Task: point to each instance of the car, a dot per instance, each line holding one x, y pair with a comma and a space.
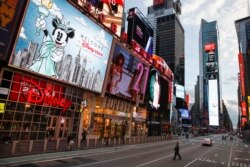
207, 142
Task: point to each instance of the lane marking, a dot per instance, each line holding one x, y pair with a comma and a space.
198, 158
162, 158
229, 162
124, 157
242, 159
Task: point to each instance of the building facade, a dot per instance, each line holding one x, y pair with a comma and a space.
243, 34
209, 69
169, 37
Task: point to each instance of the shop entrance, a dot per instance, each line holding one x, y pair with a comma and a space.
57, 127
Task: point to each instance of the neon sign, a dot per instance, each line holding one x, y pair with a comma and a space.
35, 94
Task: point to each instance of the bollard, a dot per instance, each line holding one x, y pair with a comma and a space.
45, 145
30, 146
13, 148
57, 144
95, 142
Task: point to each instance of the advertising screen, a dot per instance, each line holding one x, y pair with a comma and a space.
127, 75
112, 11
213, 99
140, 31
180, 91
58, 41
10, 15
184, 113
212, 67
158, 89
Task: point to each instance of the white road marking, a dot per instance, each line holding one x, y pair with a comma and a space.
246, 145
161, 158
197, 158
215, 155
230, 157
242, 159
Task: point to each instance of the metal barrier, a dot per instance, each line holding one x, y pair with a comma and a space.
16, 148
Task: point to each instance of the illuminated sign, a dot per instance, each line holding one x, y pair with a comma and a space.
213, 105
110, 13
242, 73
209, 47
180, 91
140, 31
158, 2
59, 42
10, 14
36, 91
127, 76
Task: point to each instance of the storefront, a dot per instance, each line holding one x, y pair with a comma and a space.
106, 117
139, 122
36, 108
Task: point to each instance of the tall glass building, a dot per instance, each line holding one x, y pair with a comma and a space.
208, 34
169, 36
243, 34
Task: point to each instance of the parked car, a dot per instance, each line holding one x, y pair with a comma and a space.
207, 142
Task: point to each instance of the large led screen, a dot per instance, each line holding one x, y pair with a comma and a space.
213, 99
58, 41
127, 75
139, 30
180, 91
158, 91
112, 11
185, 114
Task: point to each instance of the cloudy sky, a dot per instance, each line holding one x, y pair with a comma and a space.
225, 12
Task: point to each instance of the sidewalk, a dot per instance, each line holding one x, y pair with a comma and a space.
77, 153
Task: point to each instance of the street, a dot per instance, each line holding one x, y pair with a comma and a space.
222, 153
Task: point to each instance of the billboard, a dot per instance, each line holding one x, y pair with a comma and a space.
180, 91
111, 11
211, 57
212, 67
127, 75
213, 107
59, 42
242, 74
11, 12
185, 114
139, 30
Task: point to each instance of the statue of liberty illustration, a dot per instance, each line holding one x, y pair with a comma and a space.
52, 49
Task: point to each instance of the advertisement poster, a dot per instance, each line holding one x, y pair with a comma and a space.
127, 76
58, 41
213, 99
112, 11
10, 15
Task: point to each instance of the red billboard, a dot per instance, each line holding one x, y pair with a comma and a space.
209, 47
242, 75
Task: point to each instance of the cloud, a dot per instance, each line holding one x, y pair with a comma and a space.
230, 80
55, 11
190, 7
22, 34
81, 21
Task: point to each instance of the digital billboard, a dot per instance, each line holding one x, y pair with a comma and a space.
127, 75
10, 17
180, 91
185, 114
139, 30
213, 99
58, 41
158, 89
212, 67
111, 11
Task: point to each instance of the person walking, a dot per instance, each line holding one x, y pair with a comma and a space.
84, 137
70, 141
176, 151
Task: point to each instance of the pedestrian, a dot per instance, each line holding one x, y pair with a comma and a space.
70, 141
176, 151
84, 136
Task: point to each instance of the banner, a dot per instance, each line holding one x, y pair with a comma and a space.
58, 41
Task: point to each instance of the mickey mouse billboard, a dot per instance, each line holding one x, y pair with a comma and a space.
58, 41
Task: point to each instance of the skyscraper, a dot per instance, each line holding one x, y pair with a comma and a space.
243, 34
209, 60
169, 36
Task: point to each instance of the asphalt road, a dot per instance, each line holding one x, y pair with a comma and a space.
223, 153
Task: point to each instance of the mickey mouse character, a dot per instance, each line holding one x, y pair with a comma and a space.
52, 49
